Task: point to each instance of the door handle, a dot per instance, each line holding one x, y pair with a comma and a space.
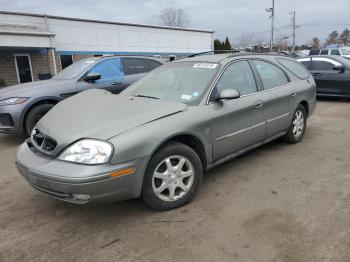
117, 83
258, 104
316, 74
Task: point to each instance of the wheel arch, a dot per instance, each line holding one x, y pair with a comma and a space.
305, 104
192, 141
41, 101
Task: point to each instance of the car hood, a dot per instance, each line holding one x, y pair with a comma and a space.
31, 89
101, 115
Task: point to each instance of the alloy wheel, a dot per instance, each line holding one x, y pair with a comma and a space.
298, 123
173, 178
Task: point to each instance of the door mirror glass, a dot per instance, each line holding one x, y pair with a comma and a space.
228, 94
92, 76
339, 68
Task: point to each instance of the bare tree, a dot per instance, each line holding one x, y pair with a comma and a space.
315, 44
174, 17
245, 40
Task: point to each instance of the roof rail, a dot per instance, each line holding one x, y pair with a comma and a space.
213, 52
262, 54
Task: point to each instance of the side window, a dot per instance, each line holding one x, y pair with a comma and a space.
323, 64
109, 69
294, 67
152, 64
270, 75
324, 52
314, 52
335, 52
237, 76
134, 66
306, 62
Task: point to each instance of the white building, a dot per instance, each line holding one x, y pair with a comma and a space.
35, 46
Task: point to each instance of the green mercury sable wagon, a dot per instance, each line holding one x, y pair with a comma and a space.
157, 138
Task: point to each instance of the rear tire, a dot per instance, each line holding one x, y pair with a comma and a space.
34, 115
297, 128
172, 177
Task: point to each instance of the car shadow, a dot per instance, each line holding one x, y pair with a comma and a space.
333, 99
11, 140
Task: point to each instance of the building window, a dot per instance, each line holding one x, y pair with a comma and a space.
66, 60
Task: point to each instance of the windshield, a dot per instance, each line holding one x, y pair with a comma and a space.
345, 51
75, 69
184, 82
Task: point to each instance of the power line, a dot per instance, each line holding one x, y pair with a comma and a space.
325, 25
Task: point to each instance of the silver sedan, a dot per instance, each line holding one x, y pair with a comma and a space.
157, 137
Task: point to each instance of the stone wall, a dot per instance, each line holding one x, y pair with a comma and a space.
40, 65
8, 74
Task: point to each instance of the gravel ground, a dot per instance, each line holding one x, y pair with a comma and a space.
280, 202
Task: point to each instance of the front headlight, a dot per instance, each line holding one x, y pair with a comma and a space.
88, 151
13, 101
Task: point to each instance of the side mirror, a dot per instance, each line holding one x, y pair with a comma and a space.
340, 68
228, 94
91, 76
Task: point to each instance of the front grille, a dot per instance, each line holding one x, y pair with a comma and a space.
6, 120
43, 142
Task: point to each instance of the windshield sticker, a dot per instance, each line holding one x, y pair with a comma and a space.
195, 93
186, 97
89, 62
205, 65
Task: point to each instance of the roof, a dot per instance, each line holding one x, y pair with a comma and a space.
216, 58
12, 29
106, 22
334, 57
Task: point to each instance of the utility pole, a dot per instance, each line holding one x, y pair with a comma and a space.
294, 26
272, 10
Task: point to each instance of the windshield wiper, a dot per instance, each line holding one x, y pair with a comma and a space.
153, 97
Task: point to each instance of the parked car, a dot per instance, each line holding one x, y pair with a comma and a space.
331, 73
21, 106
341, 51
157, 137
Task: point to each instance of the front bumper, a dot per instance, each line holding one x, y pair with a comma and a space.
79, 183
10, 118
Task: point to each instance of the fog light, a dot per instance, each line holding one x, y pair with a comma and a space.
81, 197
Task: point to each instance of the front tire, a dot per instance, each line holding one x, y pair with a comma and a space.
34, 115
297, 128
172, 177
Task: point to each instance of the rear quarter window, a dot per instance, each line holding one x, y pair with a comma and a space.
294, 67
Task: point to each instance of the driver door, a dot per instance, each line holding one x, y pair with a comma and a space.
237, 123
112, 76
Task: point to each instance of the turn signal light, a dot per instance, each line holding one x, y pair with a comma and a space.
125, 171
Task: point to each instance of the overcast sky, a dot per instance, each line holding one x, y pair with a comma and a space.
226, 17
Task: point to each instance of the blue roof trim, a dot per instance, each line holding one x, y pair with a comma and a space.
121, 53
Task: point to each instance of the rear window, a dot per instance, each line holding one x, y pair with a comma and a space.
294, 67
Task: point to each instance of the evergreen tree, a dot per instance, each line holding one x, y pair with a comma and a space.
345, 37
332, 38
227, 44
217, 45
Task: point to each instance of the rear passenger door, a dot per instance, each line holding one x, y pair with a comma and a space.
276, 96
136, 68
